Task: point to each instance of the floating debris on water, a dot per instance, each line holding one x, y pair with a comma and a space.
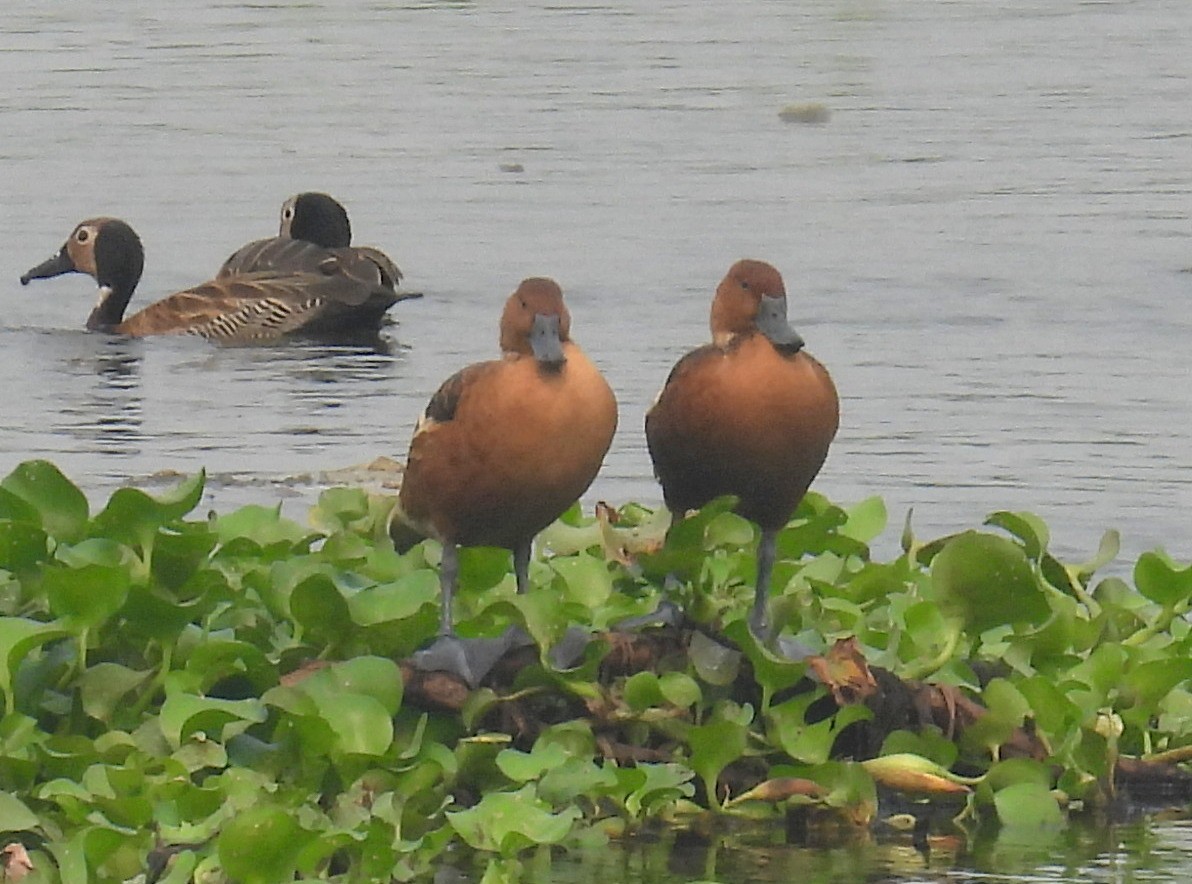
810, 112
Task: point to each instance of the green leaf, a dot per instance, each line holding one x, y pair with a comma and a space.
509, 822
18, 637
1027, 527
1028, 806
22, 546
524, 766
86, 596
61, 507
15, 816
320, 608
104, 685
1161, 580
679, 689
184, 714
587, 579
134, 517
1150, 682
866, 520
987, 581
714, 746
261, 845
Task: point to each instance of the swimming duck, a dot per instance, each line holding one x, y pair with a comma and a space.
504, 447
237, 308
751, 414
313, 224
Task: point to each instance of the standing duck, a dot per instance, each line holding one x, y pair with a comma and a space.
751, 414
505, 447
236, 308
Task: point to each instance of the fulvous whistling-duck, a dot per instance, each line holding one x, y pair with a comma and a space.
506, 446
751, 414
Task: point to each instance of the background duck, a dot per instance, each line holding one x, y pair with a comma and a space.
236, 308
505, 447
751, 414
312, 225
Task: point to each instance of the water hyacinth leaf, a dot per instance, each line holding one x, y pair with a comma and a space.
183, 714
86, 596
60, 506
394, 602
22, 546
642, 691
729, 530
714, 746
263, 525
1028, 807
522, 767
773, 673
586, 579
1161, 580
679, 689
1027, 527
1150, 682
15, 816
361, 723
18, 637
574, 778
509, 822
376, 677
714, 663
103, 686
1107, 551
987, 581
810, 742
654, 786
134, 517
261, 845
317, 604
866, 520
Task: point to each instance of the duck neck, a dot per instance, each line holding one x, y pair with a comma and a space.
108, 311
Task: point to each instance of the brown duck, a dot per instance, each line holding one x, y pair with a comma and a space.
331, 296
505, 446
751, 414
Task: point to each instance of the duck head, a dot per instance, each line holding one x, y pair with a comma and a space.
316, 218
752, 297
536, 322
110, 252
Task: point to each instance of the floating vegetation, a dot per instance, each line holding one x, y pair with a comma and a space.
808, 112
230, 697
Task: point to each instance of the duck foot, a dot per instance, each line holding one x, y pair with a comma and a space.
469, 658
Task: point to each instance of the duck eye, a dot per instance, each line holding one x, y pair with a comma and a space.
82, 235
287, 213
745, 284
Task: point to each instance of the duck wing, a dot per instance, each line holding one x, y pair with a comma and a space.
261, 306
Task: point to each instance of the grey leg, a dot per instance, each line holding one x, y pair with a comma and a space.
448, 575
521, 566
766, 551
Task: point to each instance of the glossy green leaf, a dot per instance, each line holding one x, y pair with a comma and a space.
261, 845
15, 816
61, 507
86, 596
1028, 806
134, 517
104, 686
22, 545
987, 581
714, 746
587, 579
1161, 580
509, 822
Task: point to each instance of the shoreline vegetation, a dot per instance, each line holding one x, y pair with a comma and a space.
229, 696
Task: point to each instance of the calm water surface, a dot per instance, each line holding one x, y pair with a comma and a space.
988, 243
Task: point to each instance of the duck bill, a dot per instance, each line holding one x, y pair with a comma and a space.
771, 322
55, 266
546, 342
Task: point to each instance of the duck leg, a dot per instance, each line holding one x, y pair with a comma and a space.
448, 576
766, 551
521, 566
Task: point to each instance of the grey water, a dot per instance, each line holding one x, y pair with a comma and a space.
988, 240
